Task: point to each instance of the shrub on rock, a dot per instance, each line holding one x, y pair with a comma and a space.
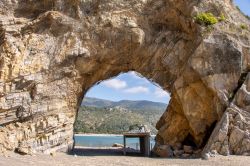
206, 19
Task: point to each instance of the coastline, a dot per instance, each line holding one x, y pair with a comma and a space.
93, 134
103, 135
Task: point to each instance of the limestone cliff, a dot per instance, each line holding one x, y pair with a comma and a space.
53, 51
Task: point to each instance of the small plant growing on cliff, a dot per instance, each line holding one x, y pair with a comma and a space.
222, 18
238, 8
206, 19
243, 26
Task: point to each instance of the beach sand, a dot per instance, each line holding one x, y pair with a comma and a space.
113, 157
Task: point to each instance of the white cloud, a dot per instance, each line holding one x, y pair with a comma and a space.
115, 84
137, 89
135, 75
159, 93
140, 78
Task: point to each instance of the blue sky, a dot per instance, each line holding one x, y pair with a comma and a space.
244, 5
128, 86
132, 87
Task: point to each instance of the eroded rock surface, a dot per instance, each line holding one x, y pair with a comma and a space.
53, 51
231, 135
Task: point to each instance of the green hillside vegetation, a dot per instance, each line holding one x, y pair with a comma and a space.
113, 118
129, 104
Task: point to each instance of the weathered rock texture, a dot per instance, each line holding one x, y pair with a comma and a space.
53, 51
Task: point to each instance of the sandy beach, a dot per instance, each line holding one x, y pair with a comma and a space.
113, 157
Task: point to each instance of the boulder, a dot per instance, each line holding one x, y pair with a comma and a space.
24, 151
117, 145
164, 151
188, 149
185, 155
177, 146
178, 153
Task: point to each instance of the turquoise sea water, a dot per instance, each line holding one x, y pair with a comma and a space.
107, 141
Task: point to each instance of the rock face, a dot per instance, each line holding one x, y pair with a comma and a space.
231, 135
53, 51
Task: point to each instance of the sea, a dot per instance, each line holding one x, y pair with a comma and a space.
107, 141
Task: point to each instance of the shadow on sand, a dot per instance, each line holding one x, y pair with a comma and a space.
85, 151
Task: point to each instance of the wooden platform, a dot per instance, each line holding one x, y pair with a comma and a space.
144, 139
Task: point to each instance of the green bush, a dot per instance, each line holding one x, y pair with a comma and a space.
222, 18
206, 19
243, 26
238, 8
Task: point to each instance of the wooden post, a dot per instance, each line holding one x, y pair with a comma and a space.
147, 145
124, 145
142, 145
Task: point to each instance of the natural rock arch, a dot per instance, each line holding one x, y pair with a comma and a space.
53, 51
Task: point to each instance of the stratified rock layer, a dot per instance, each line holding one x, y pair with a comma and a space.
53, 51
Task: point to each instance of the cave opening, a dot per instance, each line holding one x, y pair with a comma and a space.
189, 141
114, 106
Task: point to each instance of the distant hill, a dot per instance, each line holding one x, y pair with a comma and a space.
95, 102
128, 104
104, 116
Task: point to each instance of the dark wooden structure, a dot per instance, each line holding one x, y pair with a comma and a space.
144, 139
